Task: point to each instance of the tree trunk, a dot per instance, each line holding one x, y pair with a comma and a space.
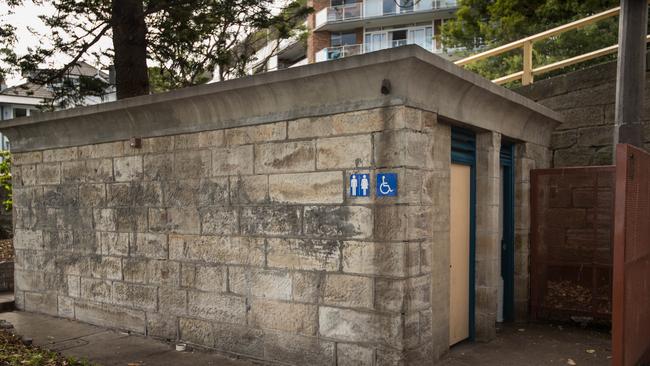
130, 45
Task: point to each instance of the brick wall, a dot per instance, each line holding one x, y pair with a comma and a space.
587, 100
244, 240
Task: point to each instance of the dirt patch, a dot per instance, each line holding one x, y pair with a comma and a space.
6, 250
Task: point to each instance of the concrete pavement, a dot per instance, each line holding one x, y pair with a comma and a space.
107, 347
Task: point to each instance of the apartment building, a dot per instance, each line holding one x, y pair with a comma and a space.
344, 28
341, 28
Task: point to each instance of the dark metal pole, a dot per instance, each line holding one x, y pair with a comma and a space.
630, 81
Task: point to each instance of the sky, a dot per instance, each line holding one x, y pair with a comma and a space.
26, 17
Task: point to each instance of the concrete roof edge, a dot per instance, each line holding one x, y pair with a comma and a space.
349, 84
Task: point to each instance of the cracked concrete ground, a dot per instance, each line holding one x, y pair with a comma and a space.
536, 344
528, 344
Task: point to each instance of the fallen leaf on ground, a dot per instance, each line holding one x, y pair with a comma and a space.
571, 362
591, 351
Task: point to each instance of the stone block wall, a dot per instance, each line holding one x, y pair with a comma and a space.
244, 240
586, 98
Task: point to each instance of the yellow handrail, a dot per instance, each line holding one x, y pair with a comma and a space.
527, 74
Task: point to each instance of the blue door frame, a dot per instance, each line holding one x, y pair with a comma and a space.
463, 151
508, 242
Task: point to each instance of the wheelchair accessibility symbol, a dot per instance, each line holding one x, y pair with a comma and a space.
386, 184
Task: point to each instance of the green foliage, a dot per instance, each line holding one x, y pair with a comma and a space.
5, 178
14, 353
186, 40
485, 24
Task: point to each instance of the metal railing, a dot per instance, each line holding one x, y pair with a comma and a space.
333, 53
526, 44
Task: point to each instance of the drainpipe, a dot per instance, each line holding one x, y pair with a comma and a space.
630, 80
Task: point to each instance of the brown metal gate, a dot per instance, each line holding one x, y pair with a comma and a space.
571, 243
631, 316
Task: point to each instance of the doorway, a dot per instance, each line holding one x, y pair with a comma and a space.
462, 236
507, 228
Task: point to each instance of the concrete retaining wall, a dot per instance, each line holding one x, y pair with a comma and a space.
586, 98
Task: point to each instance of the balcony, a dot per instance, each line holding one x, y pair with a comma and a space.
381, 12
333, 53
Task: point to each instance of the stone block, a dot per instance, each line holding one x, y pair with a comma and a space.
163, 272
239, 340
338, 221
135, 296
49, 173
213, 279
162, 325
254, 134
134, 194
403, 148
128, 168
340, 124
261, 283
92, 195
95, 171
115, 244
131, 219
596, 136
158, 167
106, 267
186, 141
150, 245
233, 161
212, 249
387, 259
195, 192
45, 303
306, 188
298, 350
183, 220
284, 316
304, 254
344, 152
96, 290
74, 286
192, 164
26, 175
172, 301
306, 286
152, 145
273, 220
219, 220
249, 189
564, 139
134, 270
211, 138
105, 150
105, 219
27, 158
110, 316
355, 326
348, 291
28, 239
65, 307
354, 355
196, 332
285, 157
219, 307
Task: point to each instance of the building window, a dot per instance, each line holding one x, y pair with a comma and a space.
20, 112
343, 39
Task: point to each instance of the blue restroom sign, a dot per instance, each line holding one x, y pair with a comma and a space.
360, 185
386, 184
